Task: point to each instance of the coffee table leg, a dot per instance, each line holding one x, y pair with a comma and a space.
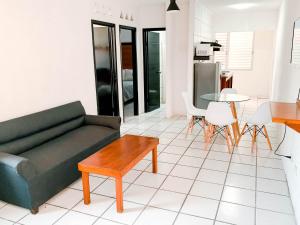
86, 188
119, 194
154, 160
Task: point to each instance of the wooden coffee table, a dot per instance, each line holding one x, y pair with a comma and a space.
115, 160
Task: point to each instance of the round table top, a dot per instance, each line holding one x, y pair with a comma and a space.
217, 97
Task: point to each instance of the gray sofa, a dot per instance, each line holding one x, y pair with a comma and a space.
39, 152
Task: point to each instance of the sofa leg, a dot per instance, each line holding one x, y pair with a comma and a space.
34, 211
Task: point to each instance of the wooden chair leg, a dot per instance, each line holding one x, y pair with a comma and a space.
209, 133
227, 140
203, 125
213, 130
242, 133
268, 138
192, 125
208, 136
230, 136
189, 127
253, 138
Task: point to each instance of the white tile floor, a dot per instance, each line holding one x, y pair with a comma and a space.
194, 186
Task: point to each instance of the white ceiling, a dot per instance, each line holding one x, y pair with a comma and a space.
222, 6
219, 6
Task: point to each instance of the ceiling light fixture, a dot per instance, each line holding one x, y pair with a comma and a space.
173, 6
241, 6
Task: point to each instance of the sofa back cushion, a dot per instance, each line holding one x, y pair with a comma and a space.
21, 134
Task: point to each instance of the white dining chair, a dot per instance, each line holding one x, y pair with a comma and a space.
219, 117
231, 91
196, 115
256, 124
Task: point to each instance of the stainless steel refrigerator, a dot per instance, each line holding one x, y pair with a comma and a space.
206, 81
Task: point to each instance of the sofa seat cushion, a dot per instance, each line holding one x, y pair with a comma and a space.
76, 144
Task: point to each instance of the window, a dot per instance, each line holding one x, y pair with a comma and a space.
237, 52
296, 43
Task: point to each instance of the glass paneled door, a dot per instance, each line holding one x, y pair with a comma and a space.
104, 45
129, 71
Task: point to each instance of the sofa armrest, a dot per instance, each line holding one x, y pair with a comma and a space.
21, 166
106, 121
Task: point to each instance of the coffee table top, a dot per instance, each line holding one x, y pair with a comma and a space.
117, 158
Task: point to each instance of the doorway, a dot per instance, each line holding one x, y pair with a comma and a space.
129, 71
154, 42
106, 80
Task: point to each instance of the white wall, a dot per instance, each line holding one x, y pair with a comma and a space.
152, 15
258, 80
286, 82
245, 21
177, 52
46, 55
202, 24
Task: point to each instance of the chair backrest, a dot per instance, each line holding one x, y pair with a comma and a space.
219, 113
187, 102
229, 91
24, 133
262, 115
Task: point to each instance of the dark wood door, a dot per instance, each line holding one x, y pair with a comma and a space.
152, 71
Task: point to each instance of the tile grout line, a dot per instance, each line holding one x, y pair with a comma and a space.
266, 178
71, 209
144, 206
208, 151
255, 200
224, 185
174, 165
223, 188
159, 188
101, 217
81, 200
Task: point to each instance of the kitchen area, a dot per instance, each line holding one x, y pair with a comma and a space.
208, 74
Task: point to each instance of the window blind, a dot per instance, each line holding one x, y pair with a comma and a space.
237, 50
296, 47
240, 50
